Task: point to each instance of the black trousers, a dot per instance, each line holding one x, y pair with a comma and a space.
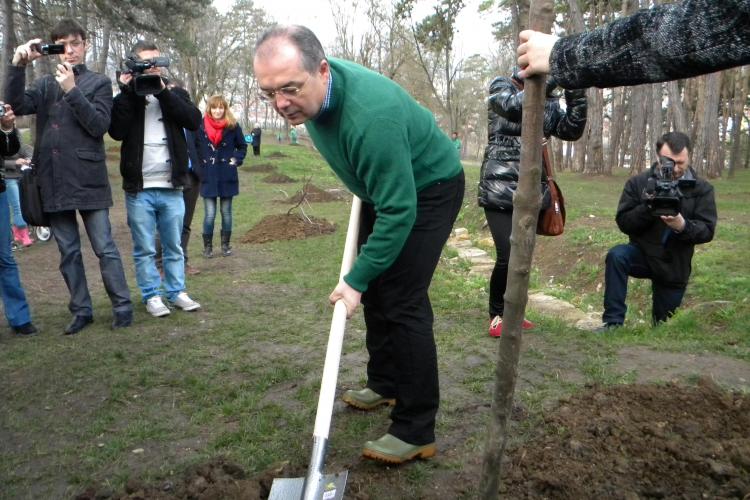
501, 225
399, 319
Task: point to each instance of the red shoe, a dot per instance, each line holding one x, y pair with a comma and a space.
496, 326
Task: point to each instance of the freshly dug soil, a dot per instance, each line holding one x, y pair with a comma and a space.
638, 441
278, 179
259, 169
287, 227
314, 194
278, 154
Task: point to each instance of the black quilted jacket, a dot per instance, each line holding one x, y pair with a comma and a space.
498, 178
666, 42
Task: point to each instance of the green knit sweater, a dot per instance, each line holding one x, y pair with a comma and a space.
385, 148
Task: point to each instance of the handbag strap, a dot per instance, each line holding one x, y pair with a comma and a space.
546, 161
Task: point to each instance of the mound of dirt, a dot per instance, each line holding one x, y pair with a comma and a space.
287, 227
638, 441
278, 154
278, 179
314, 194
259, 169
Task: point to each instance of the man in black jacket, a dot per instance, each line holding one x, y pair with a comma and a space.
72, 115
661, 246
154, 168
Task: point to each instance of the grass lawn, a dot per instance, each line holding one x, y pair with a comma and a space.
239, 378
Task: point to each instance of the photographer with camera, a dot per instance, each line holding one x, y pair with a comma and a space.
149, 116
73, 111
665, 211
15, 306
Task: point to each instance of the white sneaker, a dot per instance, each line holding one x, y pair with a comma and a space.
155, 306
185, 303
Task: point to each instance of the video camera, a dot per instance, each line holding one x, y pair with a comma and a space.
662, 192
145, 84
48, 49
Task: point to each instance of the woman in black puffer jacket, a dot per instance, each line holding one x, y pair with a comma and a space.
499, 174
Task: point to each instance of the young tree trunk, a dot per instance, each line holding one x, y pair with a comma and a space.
655, 123
526, 205
706, 118
10, 42
679, 115
595, 163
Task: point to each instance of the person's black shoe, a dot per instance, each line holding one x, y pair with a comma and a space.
24, 330
78, 324
608, 328
122, 319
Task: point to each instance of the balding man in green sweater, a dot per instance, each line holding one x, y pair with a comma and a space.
388, 150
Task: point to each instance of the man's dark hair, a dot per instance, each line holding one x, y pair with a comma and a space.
66, 27
677, 141
142, 45
301, 37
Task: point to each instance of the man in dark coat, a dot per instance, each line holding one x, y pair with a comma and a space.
154, 168
72, 115
661, 246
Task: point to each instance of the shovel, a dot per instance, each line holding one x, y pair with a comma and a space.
317, 485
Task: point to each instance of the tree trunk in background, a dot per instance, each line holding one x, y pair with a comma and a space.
706, 122
679, 116
714, 151
595, 160
101, 63
738, 106
616, 128
638, 138
655, 120
10, 42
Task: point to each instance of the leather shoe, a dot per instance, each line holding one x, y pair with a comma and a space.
366, 399
392, 450
78, 324
24, 330
122, 319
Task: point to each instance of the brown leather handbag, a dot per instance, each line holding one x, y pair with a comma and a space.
552, 219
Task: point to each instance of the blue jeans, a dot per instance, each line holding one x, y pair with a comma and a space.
96, 222
148, 211
209, 215
14, 299
628, 260
11, 187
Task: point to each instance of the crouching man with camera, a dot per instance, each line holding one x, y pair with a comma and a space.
73, 109
149, 116
665, 211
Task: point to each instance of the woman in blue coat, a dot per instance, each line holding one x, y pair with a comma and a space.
221, 148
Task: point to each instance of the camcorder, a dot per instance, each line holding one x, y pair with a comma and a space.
48, 49
662, 193
145, 84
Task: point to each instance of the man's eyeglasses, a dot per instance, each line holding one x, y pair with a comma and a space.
289, 91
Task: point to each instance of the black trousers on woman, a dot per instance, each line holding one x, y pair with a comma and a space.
399, 319
501, 224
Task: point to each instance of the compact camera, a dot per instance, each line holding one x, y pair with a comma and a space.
663, 195
145, 84
48, 49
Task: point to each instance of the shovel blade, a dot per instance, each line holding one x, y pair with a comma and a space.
330, 487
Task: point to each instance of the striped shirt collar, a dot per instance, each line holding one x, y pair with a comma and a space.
328, 98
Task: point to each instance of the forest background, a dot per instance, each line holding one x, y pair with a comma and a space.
212, 52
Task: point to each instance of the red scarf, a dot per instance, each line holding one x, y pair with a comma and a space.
214, 129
